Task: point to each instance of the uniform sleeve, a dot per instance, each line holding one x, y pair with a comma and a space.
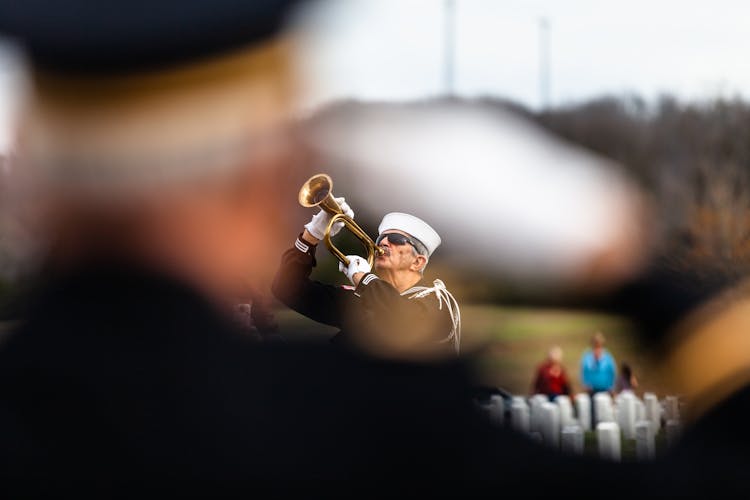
386, 312
294, 288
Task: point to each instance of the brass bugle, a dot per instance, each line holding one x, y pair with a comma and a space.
317, 191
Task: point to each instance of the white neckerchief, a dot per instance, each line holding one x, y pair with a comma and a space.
443, 295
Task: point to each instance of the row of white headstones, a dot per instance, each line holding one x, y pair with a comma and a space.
624, 417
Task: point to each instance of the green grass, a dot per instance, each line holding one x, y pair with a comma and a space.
509, 342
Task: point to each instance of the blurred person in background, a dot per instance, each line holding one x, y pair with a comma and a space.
551, 378
393, 309
598, 370
626, 379
598, 367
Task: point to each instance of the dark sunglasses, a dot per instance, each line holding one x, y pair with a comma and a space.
395, 239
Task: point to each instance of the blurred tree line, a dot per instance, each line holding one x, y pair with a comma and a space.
693, 158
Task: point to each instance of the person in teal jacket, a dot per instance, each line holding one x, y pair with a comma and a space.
598, 369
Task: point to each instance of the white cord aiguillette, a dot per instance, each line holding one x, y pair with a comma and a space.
443, 295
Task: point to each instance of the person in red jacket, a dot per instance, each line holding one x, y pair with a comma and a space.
551, 378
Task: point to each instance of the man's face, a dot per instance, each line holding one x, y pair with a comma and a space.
396, 257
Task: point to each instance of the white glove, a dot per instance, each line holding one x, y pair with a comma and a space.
356, 265
318, 224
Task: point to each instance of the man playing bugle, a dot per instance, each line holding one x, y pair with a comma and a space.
392, 311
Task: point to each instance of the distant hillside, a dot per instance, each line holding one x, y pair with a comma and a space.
693, 158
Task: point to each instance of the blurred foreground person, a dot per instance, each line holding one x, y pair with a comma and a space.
155, 136
393, 310
255, 316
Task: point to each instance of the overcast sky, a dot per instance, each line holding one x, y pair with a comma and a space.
395, 49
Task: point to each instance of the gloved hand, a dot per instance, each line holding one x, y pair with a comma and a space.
356, 265
319, 222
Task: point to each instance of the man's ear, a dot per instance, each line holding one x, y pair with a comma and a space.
419, 262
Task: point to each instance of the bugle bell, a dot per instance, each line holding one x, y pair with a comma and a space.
317, 191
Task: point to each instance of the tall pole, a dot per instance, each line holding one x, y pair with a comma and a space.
544, 63
449, 36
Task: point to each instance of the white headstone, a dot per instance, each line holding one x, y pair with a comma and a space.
603, 410
608, 439
645, 447
519, 415
550, 424
626, 414
673, 432
640, 410
614, 411
653, 410
671, 408
571, 439
497, 409
535, 404
583, 410
566, 410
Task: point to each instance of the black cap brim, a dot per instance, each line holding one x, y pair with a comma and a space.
84, 36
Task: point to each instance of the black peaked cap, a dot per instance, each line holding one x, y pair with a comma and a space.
118, 36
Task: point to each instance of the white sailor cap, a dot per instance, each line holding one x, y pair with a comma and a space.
414, 226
